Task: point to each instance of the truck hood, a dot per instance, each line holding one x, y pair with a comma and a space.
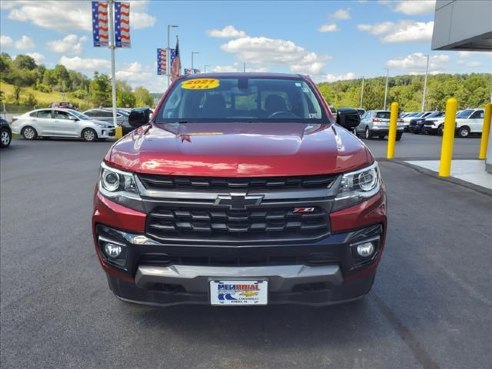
239, 150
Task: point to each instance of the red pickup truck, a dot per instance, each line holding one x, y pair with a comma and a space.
241, 189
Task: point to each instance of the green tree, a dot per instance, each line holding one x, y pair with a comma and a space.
17, 93
25, 62
100, 90
143, 96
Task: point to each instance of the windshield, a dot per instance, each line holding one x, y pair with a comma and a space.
233, 99
383, 114
436, 114
464, 114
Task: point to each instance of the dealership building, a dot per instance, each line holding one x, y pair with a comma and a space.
464, 25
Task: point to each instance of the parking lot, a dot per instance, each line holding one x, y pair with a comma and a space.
430, 306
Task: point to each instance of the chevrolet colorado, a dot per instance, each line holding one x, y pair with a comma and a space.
241, 189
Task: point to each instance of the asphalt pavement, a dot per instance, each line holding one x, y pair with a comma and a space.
430, 306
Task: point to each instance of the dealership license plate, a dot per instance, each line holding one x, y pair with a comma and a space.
238, 292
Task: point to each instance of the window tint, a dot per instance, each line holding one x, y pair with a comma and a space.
464, 114
383, 114
91, 113
477, 114
44, 114
236, 99
61, 115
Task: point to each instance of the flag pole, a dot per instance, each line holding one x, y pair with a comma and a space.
112, 46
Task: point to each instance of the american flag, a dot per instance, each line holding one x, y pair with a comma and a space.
161, 61
122, 24
175, 62
100, 31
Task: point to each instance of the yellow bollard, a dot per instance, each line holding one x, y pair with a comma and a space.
448, 138
485, 132
392, 131
118, 133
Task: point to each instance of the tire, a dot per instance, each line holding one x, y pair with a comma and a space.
367, 134
5, 137
398, 136
29, 133
440, 130
89, 135
463, 132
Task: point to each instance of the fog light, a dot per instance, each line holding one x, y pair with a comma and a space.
365, 249
112, 250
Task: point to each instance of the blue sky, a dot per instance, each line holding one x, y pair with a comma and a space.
329, 40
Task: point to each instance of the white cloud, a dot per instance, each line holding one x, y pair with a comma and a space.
465, 54
329, 28
69, 15
79, 64
412, 7
342, 14
138, 75
416, 63
237, 67
25, 42
226, 32
403, 31
470, 64
39, 58
70, 44
333, 77
264, 51
6, 42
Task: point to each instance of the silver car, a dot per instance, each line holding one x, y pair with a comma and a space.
60, 122
376, 123
106, 114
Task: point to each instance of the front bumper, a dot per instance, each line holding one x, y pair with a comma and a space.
319, 272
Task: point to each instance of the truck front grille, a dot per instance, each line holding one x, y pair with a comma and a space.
158, 182
212, 224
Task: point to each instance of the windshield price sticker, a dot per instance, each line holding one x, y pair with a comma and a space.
200, 84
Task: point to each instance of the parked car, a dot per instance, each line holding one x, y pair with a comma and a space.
240, 190
375, 123
5, 133
469, 121
106, 114
416, 124
406, 117
60, 123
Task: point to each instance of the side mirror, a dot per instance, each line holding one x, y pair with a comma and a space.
138, 117
348, 118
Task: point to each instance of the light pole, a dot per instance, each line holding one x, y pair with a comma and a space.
168, 53
386, 88
425, 84
205, 68
192, 55
362, 92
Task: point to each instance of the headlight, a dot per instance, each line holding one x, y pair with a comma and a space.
115, 182
358, 186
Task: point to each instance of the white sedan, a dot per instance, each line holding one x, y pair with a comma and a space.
57, 122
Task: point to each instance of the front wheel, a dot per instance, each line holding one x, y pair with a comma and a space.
29, 133
398, 136
89, 135
464, 132
5, 137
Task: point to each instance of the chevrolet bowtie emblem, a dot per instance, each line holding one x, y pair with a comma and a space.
238, 201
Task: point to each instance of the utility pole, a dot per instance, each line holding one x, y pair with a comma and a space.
425, 85
112, 46
168, 53
386, 88
205, 68
192, 54
362, 92
244, 67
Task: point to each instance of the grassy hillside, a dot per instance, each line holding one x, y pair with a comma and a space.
42, 99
